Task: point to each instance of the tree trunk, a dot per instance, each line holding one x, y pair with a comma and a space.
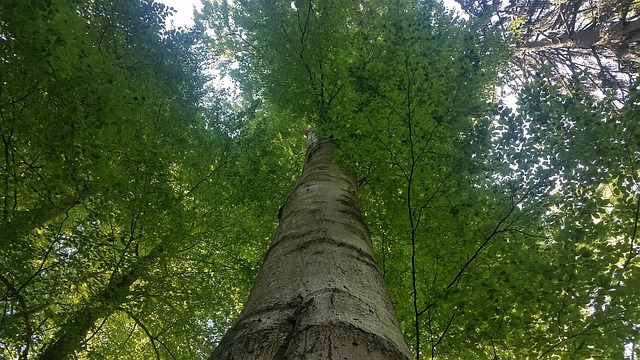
24, 222
618, 35
319, 293
69, 338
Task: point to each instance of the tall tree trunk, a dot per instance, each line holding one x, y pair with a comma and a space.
319, 293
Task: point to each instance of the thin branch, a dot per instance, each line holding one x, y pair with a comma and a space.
419, 217
166, 348
207, 177
583, 332
388, 148
97, 330
445, 330
152, 339
497, 229
25, 315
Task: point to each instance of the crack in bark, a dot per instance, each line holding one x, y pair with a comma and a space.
294, 322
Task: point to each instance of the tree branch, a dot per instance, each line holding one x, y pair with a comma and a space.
25, 315
152, 339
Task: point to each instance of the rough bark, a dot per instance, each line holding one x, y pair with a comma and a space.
319, 293
69, 338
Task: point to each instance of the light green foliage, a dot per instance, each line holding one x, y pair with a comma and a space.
591, 222
293, 60
114, 196
418, 134
138, 203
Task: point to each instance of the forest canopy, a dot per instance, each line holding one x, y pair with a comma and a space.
140, 195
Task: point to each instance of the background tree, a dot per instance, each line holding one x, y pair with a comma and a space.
598, 38
107, 197
590, 142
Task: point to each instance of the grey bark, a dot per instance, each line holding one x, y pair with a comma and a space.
319, 293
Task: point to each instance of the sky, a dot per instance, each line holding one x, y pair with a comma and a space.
184, 11
184, 14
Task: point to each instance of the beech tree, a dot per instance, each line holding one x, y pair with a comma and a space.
463, 204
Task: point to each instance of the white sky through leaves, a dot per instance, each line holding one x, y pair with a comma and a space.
184, 11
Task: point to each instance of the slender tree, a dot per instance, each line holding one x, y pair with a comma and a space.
72, 333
